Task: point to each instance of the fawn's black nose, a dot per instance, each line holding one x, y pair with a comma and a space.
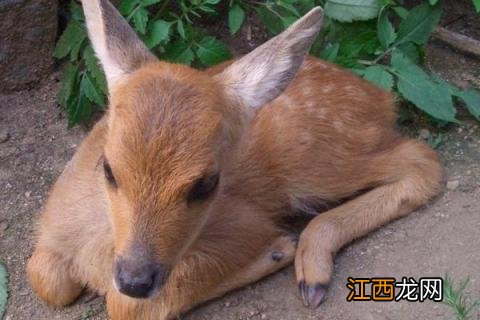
137, 279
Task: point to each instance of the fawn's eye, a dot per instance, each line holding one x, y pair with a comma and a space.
107, 170
203, 188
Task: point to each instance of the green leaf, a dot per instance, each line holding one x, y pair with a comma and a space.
288, 21
471, 98
330, 53
179, 52
91, 91
80, 110
158, 32
352, 10
3, 289
126, 6
476, 3
432, 2
364, 45
69, 80
181, 29
401, 12
211, 51
147, 3
71, 37
76, 11
207, 9
236, 16
379, 76
417, 87
74, 53
419, 24
272, 22
93, 67
385, 31
412, 51
289, 7
140, 20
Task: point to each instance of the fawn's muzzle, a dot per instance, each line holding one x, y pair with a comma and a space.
139, 279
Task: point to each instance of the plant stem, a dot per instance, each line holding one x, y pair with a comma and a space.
367, 62
383, 55
162, 9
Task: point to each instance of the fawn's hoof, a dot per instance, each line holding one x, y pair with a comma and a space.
312, 296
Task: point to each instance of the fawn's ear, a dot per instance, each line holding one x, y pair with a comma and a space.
117, 46
264, 73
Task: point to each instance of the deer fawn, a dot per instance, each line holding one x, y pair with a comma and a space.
175, 195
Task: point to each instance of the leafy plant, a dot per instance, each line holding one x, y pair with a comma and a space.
462, 305
391, 59
3, 289
379, 40
352, 10
476, 3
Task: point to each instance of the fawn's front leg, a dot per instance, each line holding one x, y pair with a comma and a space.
417, 175
50, 276
199, 278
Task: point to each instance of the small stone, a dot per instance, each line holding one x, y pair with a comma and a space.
453, 184
27, 194
4, 135
23, 293
3, 228
424, 134
263, 316
227, 304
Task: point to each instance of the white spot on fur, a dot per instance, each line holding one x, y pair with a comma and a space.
338, 125
327, 89
321, 114
311, 104
308, 91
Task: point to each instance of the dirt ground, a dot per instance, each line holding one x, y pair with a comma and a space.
443, 237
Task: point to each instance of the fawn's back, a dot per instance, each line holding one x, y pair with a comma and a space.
317, 142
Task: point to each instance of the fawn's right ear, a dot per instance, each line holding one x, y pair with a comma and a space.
115, 43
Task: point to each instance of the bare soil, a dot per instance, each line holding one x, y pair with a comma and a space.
443, 237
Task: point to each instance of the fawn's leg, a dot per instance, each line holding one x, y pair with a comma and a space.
50, 276
194, 281
72, 226
279, 255
412, 176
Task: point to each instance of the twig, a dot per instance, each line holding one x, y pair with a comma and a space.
458, 41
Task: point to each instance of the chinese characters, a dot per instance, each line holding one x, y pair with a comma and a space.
388, 289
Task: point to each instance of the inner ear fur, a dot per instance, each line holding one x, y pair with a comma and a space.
118, 48
263, 74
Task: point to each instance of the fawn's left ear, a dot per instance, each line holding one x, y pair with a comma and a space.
117, 46
264, 73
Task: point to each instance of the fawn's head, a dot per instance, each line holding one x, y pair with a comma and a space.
169, 127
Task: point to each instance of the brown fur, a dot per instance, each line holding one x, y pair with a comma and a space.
328, 136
